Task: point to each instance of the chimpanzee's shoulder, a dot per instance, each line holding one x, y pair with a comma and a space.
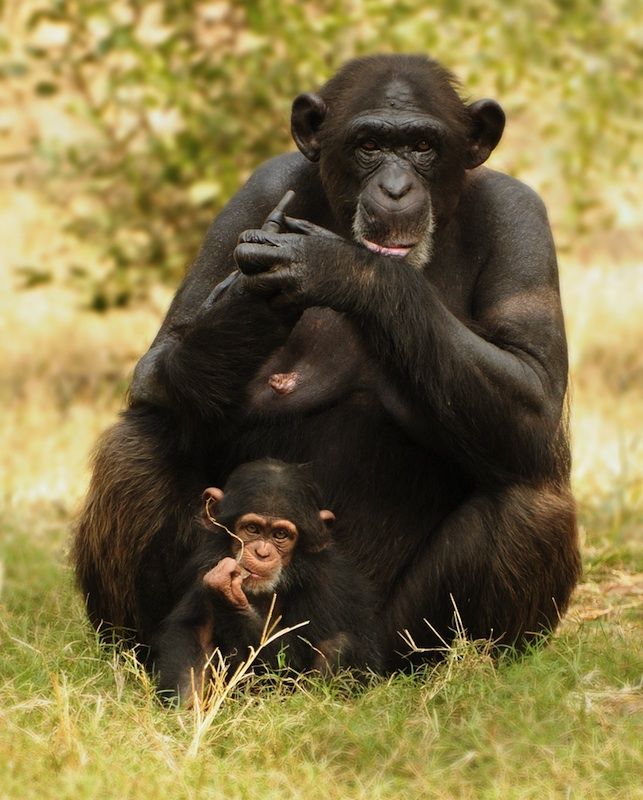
278, 174
499, 195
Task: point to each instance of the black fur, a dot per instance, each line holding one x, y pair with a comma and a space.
318, 586
446, 458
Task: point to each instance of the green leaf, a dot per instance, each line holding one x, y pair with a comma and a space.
30, 277
46, 88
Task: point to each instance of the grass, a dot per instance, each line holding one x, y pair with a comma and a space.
76, 721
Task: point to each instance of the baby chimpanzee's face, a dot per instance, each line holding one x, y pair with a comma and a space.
268, 545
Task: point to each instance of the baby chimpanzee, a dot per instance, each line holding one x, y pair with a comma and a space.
280, 544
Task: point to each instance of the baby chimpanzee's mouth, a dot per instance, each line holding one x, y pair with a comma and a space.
395, 250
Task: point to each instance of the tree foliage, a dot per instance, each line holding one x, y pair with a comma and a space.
174, 103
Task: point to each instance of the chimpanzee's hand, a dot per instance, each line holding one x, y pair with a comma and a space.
225, 579
288, 264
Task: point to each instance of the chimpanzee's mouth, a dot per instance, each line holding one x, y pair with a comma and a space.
245, 573
255, 577
255, 584
395, 250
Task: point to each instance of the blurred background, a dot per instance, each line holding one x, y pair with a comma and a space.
126, 125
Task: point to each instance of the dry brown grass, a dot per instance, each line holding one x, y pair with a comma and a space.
64, 370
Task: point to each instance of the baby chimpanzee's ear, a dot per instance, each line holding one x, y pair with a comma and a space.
321, 539
211, 499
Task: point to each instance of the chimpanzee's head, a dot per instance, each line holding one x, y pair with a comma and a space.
274, 509
393, 140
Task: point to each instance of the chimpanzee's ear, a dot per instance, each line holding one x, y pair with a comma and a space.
211, 499
327, 517
486, 127
322, 539
308, 112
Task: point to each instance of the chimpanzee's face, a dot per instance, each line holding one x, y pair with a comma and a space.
268, 546
393, 151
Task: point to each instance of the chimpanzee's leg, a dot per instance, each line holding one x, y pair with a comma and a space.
507, 562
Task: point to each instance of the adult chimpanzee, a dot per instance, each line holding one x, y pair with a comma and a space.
447, 462
281, 544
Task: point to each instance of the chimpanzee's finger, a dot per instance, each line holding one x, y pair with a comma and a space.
222, 287
296, 225
252, 258
237, 592
267, 283
257, 236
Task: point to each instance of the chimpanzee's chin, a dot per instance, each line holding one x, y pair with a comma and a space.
256, 585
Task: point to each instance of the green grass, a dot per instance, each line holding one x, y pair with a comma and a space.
79, 721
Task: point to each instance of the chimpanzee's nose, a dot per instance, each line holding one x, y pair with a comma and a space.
263, 549
395, 182
397, 190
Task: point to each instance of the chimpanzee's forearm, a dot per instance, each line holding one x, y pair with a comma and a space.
204, 368
490, 403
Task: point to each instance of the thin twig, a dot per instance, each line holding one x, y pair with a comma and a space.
219, 525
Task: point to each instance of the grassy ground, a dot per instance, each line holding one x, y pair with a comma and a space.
564, 721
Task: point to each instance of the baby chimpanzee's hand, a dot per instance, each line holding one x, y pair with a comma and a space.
225, 579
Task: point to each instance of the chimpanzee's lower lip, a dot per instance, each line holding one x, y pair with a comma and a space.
397, 251
256, 577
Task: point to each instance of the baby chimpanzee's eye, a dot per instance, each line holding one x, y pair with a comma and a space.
281, 533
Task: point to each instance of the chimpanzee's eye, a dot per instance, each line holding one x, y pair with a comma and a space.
250, 527
423, 146
370, 145
281, 533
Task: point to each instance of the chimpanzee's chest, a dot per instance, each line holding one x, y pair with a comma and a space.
388, 492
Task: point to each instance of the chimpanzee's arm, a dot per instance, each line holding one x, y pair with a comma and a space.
180, 650
201, 622
490, 391
207, 348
